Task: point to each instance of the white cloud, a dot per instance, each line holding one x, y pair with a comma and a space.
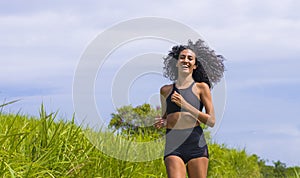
286, 129
256, 39
47, 29
247, 30
264, 82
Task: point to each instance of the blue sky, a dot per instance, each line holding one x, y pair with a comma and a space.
41, 44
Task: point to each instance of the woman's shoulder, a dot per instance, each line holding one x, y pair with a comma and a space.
202, 86
164, 90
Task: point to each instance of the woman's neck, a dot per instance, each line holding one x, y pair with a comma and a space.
183, 81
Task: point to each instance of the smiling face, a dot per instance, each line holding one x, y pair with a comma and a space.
186, 61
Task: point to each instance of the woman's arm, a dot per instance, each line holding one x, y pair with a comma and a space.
161, 122
163, 91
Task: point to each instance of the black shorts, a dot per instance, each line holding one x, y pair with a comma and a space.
186, 143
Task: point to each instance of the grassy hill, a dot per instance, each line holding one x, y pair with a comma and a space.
48, 147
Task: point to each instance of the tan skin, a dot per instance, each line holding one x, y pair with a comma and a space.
197, 167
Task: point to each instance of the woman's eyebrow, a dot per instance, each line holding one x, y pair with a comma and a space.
186, 55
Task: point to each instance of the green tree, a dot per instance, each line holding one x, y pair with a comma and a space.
130, 120
279, 169
265, 170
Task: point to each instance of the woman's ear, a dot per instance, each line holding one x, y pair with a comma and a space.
196, 64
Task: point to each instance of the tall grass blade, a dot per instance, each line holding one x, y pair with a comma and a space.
12, 172
8, 103
296, 173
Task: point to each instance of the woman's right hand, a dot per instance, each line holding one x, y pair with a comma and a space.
160, 123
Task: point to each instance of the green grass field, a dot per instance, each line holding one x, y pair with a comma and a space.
49, 147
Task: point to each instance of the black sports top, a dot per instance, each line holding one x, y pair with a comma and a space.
188, 95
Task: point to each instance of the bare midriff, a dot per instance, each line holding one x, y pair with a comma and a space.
181, 120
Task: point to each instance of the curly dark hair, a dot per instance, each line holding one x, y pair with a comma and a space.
210, 67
